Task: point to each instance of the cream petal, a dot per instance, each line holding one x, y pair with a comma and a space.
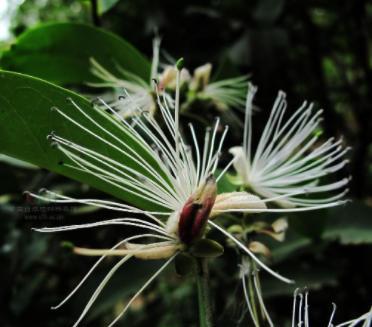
162, 250
280, 225
236, 200
259, 248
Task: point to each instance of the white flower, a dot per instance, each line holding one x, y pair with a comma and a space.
227, 93
138, 92
185, 188
300, 309
300, 314
288, 159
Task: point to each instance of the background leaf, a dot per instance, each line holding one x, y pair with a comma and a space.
106, 5
351, 224
60, 52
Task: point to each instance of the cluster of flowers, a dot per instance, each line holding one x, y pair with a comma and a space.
223, 94
283, 172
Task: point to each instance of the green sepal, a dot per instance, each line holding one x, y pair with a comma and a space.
235, 229
67, 245
206, 248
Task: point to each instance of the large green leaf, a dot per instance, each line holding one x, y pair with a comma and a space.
350, 224
60, 52
26, 119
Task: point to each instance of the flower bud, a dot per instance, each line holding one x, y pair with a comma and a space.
259, 248
195, 213
168, 78
201, 77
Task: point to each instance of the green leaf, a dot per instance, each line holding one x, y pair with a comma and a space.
60, 52
224, 184
26, 119
293, 245
310, 224
350, 224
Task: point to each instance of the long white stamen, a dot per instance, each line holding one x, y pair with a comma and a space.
287, 158
248, 301
260, 299
334, 307
100, 287
247, 139
132, 154
59, 198
367, 317
246, 250
148, 282
306, 308
137, 159
224, 170
300, 310
91, 169
117, 221
294, 308
177, 110
155, 58
91, 270
119, 175
315, 207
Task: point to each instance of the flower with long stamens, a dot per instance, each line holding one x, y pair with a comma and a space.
179, 181
300, 313
300, 309
289, 160
139, 93
249, 275
225, 94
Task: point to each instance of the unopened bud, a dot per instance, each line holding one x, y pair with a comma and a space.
280, 225
259, 248
180, 63
201, 77
168, 78
195, 213
235, 229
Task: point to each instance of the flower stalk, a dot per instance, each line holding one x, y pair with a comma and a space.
204, 301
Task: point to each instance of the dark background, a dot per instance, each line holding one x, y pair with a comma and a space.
315, 50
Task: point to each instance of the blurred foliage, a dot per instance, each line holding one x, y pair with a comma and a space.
61, 52
316, 50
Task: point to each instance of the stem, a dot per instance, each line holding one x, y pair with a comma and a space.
94, 9
202, 281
